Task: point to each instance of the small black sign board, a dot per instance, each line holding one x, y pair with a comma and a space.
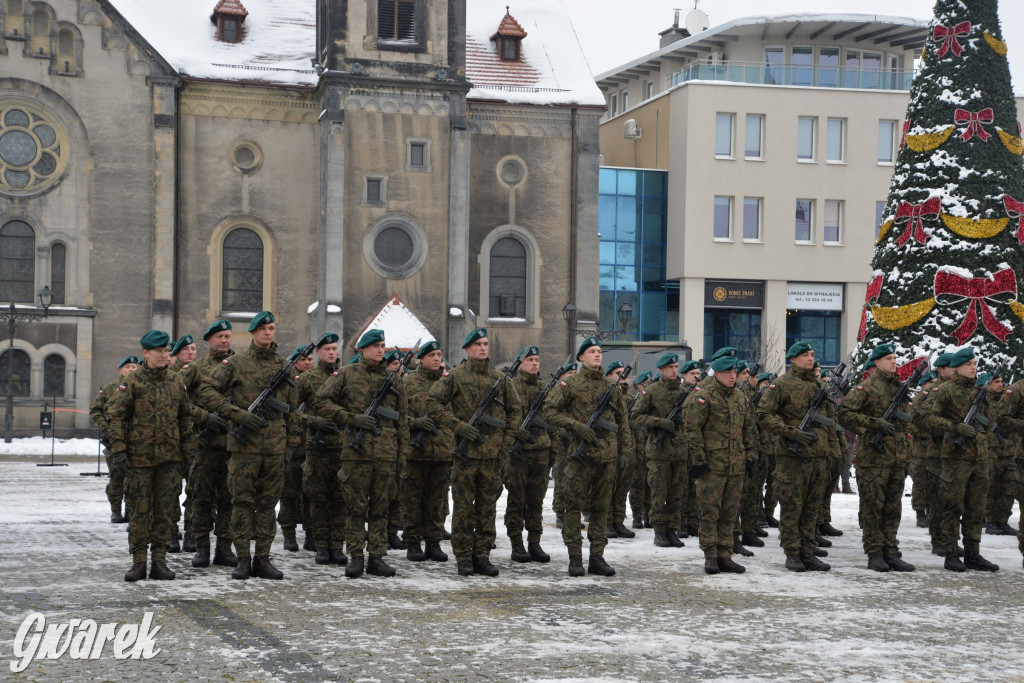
45, 420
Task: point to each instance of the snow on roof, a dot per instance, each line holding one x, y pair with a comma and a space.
401, 327
553, 70
278, 39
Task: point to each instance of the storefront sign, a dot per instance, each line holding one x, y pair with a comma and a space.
733, 294
814, 297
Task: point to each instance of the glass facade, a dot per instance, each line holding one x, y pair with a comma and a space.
739, 327
633, 222
821, 328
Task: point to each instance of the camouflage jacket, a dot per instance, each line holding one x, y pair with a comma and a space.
347, 393
639, 433
99, 407
454, 398
863, 407
1011, 415
920, 441
720, 429
243, 377
206, 367
571, 403
307, 385
527, 387
188, 373
151, 418
783, 406
651, 408
1008, 448
417, 386
949, 405
931, 445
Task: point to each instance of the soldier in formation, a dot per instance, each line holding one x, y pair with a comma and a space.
294, 506
99, 411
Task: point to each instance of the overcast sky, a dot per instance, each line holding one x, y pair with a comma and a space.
614, 32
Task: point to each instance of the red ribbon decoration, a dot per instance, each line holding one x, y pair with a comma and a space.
913, 215
1015, 210
949, 36
874, 289
907, 369
978, 290
906, 128
975, 121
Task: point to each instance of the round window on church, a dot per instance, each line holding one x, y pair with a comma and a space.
246, 157
511, 171
34, 149
395, 246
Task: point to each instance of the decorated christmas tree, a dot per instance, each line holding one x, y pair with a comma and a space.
949, 257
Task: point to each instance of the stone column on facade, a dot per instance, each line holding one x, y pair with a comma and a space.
164, 202
330, 276
586, 291
773, 319
458, 231
83, 372
691, 313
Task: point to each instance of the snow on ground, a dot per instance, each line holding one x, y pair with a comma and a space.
38, 445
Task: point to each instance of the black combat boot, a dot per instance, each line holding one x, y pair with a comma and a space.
674, 539
355, 567
309, 543
598, 566
482, 565
323, 555
953, 563
993, 529
290, 543
827, 529
414, 552
939, 550
711, 565
820, 552
447, 535
158, 570
188, 545
622, 531
974, 560
750, 538
761, 533
727, 565
138, 571
576, 565
897, 564
794, 564
1008, 530
922, 519
560, 521
394, 542
761, 521
738, 549
772, 522
263, 569
202, 556
610, 532
175, 546
682, 533
812, 563
661, 539
693, 530
434, 552
115, 514
338, 556
378, 567
638, 523
822, 541
878, 564
242, 570
537, 553
465, 568
519, 553
224, 556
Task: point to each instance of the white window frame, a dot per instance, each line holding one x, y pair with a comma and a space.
534, 266
760, 143
625, 100
814, 140
613, 105
729, 218
840, 210
810, 222
842, 140
760, 221
649, 89
893, 127
732, 135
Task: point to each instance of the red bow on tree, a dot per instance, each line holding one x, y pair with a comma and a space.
952, 288
874, 289
907, 369
1015, 210
975, 121
949, 36
913, 215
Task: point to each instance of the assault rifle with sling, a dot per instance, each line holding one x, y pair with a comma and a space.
673, 415
265, 402
596, 422
532, 421
376, 409
756, 398
974, 418
481, 418
811, 417
893, 412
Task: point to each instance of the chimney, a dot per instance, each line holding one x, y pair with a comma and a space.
673, 33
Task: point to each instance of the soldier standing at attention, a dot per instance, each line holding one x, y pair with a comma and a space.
427, 468
98, 411
667, 451
933, 460
150, 432
640, 490
209, 475
256, 465
476, 477
396, 515
624, 467
881, 472
1011, 422
965, 465
295, 500
367, 474
559, 444
746, 529
1002, 478
918, 451
799, 478
589, 481
183, 354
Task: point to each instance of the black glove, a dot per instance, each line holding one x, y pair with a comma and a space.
667, 424
883, 426
365, 422
585, 433
320, 424
966, 430
696, 471
803, 438
423, 424
468, 432
525, 435
215, 422
119, 459
250, 421
748, 467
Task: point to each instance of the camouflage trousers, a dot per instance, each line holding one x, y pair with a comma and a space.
932, 489
396, 510
115, 485
963, 489
881, 506
718, 503
426, 492
558, 475
255, 481
1002, 489
668, 482
919, 489
476, 486
588, 490
798, 482
625, 472
526, 479
691, 507
832, 468
367, 486
752, 498
771, 495
152, 494
640, 491
294, 502
209, 481
323, 489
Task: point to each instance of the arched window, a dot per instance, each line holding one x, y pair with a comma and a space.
15, 21
242, 284
53, 376
58, 258
507, 287
17, 262
66, 51
20, 370
40, 32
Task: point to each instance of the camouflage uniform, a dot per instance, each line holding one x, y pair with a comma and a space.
625, 471
932, 463
918, 459
640, 490
98, 412
476, 478
1011, 422
723, 438
881, 474
588, 483
256, 466
559, 444
367, 478
427, 470
526, 477
150, 420
327, 519
189, 376
798, 478
749, 499
1002, 477
833, 466
294, 501
209, 474
666, 462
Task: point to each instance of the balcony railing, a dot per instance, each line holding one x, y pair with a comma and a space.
865, 78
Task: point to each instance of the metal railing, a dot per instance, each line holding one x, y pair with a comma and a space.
864, 78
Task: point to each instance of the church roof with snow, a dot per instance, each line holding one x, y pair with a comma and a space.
401, 326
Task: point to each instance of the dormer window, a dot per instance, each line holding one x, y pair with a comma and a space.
509, 37
228, 16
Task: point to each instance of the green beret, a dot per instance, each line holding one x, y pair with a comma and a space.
432, 345
125, 361
329, 338
586, 344
817, 365
725, 363
726, 351
689, 365
883, 350
942, 361
392, 355
155, 339
764, 376
353, 360
261, 318
644, 376
528, 351
295, 354
961, 357
982, 378
613, 366
926, 377
656, 377
571, 367
742, 366
182, 343
370, 337
478, 333
214, 328
798, 348
667, 358
869, 364
825, 373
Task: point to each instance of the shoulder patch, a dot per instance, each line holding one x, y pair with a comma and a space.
925, 392
771, 386
101, 391
860, 388
696, 388
334, 374
445, 374
185, 366
642, 393
122, 388
296, 376
562, 384
1009, 391
701, 401
224, 362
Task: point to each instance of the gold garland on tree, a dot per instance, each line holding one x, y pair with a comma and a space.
926, 142
1011, 142
883, 230
998, 45
975, 228
897, 317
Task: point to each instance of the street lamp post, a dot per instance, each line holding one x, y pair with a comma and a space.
624, 314
12, 319
569, 313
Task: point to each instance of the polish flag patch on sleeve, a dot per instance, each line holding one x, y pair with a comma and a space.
771, 386
701, 401
562, 384
122, 388
860, 388
334, 374
224, 362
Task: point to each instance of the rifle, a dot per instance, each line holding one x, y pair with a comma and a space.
811, 416
376, 409
417, 441
974, 416
843, 386
481, 418
266, 402
596, 421
893, 412
756, 398
532, 418
673, 414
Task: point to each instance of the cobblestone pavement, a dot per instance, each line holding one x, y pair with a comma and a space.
659, 618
